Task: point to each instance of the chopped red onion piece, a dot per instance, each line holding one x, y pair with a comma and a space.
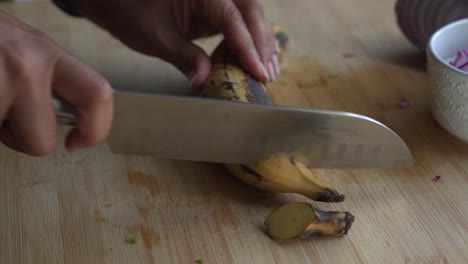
404, 102
461, 60
437, 178
349, 55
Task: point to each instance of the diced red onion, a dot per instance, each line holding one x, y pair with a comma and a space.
349, 55
404, 103
461, 60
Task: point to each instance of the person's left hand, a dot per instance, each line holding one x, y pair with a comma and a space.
165, 29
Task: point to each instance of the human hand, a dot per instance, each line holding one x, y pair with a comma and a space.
165, 29
31, 67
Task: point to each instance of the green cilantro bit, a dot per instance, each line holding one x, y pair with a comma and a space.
131, 240
333, 75
199, 261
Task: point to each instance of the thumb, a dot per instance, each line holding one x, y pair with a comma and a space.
189, 59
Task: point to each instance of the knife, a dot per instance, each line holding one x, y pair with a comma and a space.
212, 130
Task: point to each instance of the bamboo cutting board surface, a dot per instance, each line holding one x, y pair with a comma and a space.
80, 208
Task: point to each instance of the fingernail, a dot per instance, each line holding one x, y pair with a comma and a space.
276, 64
192, 81
265, 73
271, 70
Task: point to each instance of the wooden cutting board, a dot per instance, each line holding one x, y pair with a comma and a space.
81, 208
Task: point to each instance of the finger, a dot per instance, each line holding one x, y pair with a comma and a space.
273, 47
31, 126
91, 95
188, 58
6, 97
270, 46
201, 29
226, 17
6, 137
260, 29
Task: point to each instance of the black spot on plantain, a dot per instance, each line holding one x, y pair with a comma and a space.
256, 92
251, 171
228, 86
282, 39
315, 233
330, 196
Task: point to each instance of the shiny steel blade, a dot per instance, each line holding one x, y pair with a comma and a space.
209, 130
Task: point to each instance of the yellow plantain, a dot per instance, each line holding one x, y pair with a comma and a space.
301, 220
281, 173
276, 173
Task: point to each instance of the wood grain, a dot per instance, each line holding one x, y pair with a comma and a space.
81, 208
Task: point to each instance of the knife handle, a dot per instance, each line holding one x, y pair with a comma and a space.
63, 110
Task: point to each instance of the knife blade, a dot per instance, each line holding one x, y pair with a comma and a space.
211, 130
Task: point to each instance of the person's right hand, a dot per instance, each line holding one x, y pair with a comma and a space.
31, 67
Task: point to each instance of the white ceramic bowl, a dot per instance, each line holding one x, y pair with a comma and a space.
449, 96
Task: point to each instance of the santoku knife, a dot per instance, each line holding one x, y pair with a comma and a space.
211, 130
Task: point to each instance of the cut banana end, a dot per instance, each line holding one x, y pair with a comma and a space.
301, 220
280, 173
